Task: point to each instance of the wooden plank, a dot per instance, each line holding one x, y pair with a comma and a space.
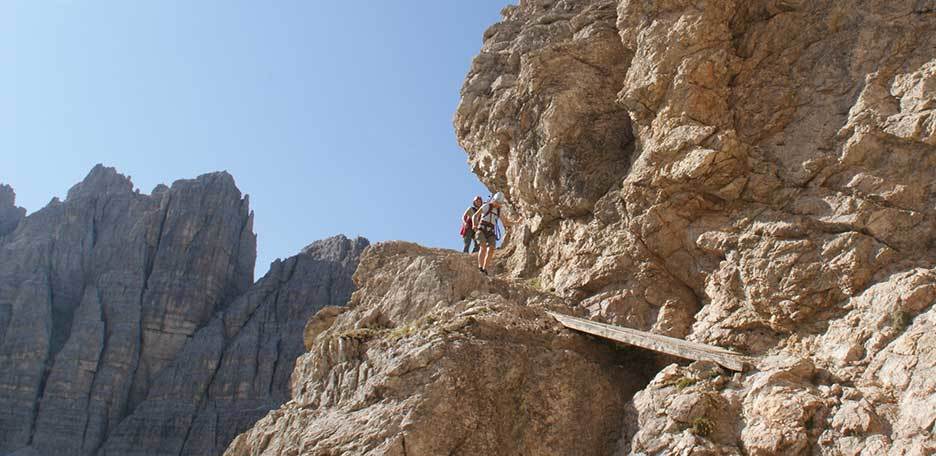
657, 342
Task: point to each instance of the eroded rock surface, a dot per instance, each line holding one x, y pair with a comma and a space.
115, 304
759, 175
777, 197
100, 291
237, 367
434, 358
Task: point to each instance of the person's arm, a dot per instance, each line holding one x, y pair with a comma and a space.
466, 216
476, 218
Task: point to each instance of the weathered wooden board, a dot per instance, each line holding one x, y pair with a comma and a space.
659, 343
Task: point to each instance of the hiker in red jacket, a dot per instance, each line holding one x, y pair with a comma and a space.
485, 222
467, 228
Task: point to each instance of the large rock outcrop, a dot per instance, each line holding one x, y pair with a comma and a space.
757, 175
123, 316
433, 358
777, 198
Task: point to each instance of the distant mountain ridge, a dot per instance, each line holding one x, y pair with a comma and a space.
126, 320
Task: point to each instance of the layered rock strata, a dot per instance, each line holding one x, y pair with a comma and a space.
237, 367
100, 291
130, 319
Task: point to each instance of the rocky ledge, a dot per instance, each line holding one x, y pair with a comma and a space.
431, 357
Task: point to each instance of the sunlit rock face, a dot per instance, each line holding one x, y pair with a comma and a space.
767, 183
431, 357
758, 175
539, 112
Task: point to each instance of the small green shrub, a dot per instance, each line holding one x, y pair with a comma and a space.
400, 332
535, 283
702, 426
900, 320
404, 331
360, 334
685, 382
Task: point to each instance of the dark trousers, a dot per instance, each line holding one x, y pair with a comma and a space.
468, 238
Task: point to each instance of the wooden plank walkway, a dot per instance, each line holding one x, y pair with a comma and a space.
658, 343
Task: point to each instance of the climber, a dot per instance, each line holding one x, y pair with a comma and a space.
485, 220
467, 228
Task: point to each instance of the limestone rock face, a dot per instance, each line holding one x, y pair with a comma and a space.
99, 292
127, 320
776, 195
433, 358
237, 367
757, 175
539, 111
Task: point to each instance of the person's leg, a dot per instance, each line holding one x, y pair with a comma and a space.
482, 251
483, 256
488, 253
467, 240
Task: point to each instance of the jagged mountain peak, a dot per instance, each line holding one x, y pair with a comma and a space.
116, 310
7, 196
101, 180
334, 247
10, 214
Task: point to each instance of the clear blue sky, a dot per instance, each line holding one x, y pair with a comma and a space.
333, 116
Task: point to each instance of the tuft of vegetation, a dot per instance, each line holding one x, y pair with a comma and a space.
900, 320
535, 283
702, 426
685, 382
359, 334
681, 383
402, 332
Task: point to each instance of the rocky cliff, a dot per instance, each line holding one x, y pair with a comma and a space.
775, 194
129, 323
433, 358
758, 175
10, 214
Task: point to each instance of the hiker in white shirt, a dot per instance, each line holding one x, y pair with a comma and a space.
485, 226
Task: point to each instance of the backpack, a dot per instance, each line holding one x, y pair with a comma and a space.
493, 226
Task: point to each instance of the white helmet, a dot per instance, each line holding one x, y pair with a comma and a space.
498, 198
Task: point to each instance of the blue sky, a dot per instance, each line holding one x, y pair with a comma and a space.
335, 117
